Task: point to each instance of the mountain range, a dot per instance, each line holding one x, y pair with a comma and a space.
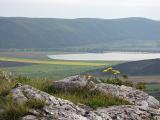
82, 33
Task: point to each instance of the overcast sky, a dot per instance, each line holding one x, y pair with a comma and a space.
81, 8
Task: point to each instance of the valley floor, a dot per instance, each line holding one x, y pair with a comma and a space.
146, 79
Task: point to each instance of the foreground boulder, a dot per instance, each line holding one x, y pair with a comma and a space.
134, 96
73, 82
60, 109
54, 109
128, 112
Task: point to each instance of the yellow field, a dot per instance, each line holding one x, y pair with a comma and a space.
52, 62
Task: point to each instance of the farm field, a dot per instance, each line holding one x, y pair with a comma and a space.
40, 66
147, 79
13, 64
153, 89
37, 65
52, 72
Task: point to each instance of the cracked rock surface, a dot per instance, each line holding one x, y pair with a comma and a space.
144, 106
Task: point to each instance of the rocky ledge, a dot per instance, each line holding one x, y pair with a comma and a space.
134, 96
144, 106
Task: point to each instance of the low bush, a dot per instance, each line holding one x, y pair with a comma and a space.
140, 85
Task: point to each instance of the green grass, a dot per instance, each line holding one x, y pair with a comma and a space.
14, 111
153, 87
35, 103
52, 72
94, 98
7, 82
154, 90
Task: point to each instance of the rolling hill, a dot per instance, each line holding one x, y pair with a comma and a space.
83, 33
136, 68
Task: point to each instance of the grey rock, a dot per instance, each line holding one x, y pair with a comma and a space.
73, 82
18, 96
144, 106
134, 96
1, 110
124, 112
34, 112
55, 108
152, 102
29, 117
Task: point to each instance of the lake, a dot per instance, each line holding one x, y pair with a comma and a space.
109, 56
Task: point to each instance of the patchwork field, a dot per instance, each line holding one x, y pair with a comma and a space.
4, 64
37, 65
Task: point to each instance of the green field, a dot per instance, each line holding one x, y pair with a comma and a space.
153, 89
47, 68
54, 72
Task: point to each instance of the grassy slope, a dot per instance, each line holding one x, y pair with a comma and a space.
136, 68
50, 71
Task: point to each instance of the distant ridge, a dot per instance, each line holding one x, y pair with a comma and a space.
86, 33
136, 68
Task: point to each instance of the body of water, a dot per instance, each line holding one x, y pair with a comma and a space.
110, 56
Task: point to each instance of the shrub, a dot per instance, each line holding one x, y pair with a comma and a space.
140, 85
128, 83
115, 81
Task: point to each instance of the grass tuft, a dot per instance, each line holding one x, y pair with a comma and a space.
12, 111
35, 103
93, 98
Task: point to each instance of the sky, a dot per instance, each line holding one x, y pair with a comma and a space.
106, 9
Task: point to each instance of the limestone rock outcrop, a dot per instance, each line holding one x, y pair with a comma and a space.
59, 109
134, 96
144, 106
73, 82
